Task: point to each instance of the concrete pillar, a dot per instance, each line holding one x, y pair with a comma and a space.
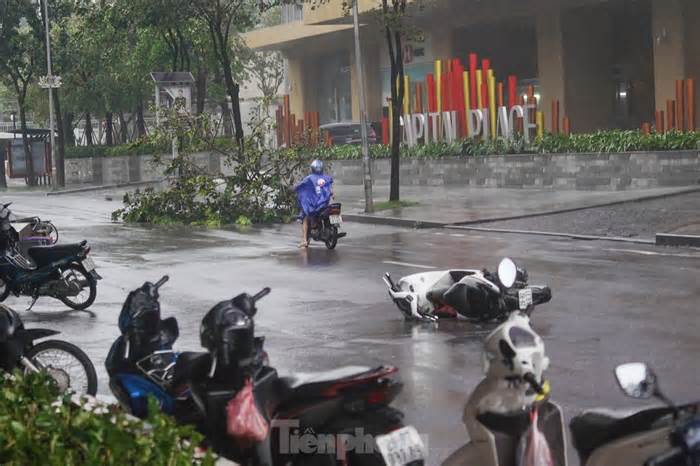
295, 82
588, 57
691, 13
669, 54
550, 58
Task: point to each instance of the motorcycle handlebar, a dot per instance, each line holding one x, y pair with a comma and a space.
667, 458
530, 378
161, 282
261, 294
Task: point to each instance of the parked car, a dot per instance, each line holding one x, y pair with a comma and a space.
348, 132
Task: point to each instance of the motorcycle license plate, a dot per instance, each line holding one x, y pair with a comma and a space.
525, 298
89, 264
401, 446
336, 219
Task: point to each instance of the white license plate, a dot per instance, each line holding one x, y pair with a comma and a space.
336, 219
525, 298
89, 264
401, 446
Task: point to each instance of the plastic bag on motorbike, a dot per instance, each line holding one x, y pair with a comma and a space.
244, 421
533, 448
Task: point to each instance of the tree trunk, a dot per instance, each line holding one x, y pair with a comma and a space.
88, 129
61, 143
109, 128
397, 95
201, 90
123, 128
233, 89
226, 117
68, 134
31, 179
140, 122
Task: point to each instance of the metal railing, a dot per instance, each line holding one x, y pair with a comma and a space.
291, 13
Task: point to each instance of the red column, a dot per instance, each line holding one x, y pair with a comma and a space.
472, 80
690, 96
659, 117
512, 90
432, 104
680, 108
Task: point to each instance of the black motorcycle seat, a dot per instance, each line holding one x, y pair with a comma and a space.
191, 365
44, 255
593, 429
437, 295
300, 379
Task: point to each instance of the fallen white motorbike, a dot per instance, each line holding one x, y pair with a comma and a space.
468, 294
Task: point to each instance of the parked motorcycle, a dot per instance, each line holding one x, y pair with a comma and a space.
36, 232
67, 364
473, 295
325, 227
201, 385
657, 436
64, 272
510, 407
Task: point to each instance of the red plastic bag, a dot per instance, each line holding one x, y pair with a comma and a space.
533, 449
244, 421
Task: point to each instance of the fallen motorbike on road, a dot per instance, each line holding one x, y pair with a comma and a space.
64, 272
342, 403
67, 364
467, 294
325, 227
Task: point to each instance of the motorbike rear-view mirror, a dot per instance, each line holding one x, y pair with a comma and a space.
507, 272
636, 379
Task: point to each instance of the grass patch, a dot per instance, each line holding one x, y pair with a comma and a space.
387, 205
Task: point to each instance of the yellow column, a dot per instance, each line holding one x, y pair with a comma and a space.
539, 121
479, 81
406, 95
467, 103
492, 102
438, 84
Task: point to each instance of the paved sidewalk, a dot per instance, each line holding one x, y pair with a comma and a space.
466, 205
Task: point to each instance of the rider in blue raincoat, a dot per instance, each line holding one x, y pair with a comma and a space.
314, 193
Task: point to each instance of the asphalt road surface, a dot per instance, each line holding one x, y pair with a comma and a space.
612, 303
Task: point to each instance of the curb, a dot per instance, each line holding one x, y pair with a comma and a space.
555, 234
102, 187
576, 209
668, 239
391, 221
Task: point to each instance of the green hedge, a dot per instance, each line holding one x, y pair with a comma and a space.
37, 427
598, 142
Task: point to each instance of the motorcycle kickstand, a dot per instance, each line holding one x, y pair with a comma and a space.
34, 299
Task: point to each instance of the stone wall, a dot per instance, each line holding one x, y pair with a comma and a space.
555, 171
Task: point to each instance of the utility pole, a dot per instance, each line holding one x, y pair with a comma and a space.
51, 82
366, 162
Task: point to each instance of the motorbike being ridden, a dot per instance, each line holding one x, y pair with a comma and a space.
325, 227
473, 295
335, 403
658, 436
65, 272
67, 364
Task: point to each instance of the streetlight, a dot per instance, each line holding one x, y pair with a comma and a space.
50, 82
366, 163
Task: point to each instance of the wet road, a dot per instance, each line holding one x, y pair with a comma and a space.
612, 303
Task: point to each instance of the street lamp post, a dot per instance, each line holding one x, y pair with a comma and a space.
366, 162
51, 82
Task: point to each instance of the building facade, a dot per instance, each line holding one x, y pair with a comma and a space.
609, 63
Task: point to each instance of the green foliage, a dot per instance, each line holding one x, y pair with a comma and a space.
37, 427
257, 187
388, 205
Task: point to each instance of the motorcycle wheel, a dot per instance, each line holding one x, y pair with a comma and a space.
332, 240
82, 300
67, 364
4, 290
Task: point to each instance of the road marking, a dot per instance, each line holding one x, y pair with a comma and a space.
406, 264
652, 253
457, 235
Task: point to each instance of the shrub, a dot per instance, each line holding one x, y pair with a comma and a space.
38, 427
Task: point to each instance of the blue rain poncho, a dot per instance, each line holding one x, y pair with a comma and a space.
314, 194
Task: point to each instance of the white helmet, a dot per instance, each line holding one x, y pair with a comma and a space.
513, 350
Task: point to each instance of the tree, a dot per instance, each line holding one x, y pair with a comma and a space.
19, 58
226, 18
267, 69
